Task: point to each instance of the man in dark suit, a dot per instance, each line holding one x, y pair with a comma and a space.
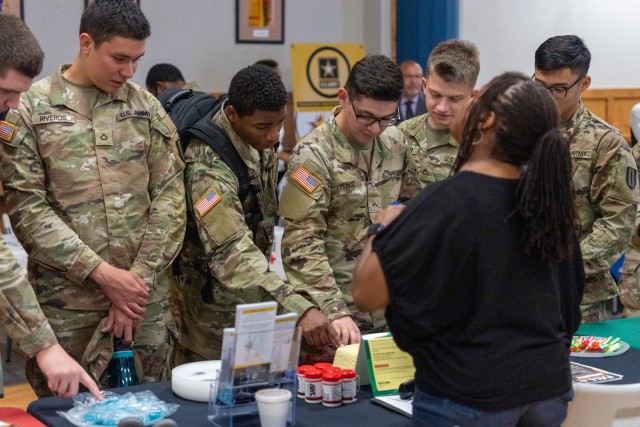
412, 103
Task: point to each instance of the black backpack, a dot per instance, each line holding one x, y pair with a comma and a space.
191, 112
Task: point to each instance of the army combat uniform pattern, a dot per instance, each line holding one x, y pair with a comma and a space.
221, 263
434, 150
605, 181
22, 318
629, 284
328, 201
93, 180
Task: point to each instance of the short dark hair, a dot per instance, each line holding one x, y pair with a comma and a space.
527, 135
163, 73
271, 63
256, 87
19, 49
455, 61
376, 77
105, 19
561, 52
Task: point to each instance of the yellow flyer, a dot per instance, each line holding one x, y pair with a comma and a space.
388, 365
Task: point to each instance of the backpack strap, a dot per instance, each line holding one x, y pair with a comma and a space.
216, 138
172, 96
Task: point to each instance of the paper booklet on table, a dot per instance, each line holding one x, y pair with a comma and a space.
588, 374
388, 366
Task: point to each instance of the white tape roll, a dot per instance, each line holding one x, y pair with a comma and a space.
192, 380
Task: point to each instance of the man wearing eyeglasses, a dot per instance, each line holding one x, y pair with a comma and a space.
412, 103
339, 178
605, 177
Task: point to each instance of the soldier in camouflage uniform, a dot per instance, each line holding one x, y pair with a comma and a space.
339, 178
629, 284
95, 192
605, 177
20, 61
166, 76
451, 74
224, 261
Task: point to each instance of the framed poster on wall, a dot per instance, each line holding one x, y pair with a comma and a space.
12, 7
260, 21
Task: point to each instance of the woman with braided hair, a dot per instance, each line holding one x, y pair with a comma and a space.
481, 274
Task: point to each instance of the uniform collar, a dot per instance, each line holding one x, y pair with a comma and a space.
58, 90
569, 128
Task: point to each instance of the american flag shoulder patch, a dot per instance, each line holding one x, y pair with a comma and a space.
205, 204
306, 179
6, 131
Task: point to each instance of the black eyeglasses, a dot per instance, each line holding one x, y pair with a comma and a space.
369, 120
558, 92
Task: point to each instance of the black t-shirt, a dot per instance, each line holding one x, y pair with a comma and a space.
487, 325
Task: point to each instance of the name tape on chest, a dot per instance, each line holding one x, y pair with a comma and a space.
306, 179
6, 131
205, 204
53, 118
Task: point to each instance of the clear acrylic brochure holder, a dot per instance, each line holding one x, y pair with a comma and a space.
232, 402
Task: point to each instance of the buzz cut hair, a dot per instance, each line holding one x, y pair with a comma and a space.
256, 87
19, 49
106, 19
455, 61
561, 52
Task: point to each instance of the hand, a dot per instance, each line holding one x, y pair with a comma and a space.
121, 324
347, 329
125, 289
388, 214
63, 373
317, 329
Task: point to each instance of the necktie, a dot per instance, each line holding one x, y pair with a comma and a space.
408, 111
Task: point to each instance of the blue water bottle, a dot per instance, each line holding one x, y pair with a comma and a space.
121, 371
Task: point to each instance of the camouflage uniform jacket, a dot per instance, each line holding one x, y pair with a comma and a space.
328, 202
222, 264
434, 159
605, 184
629, 272
81, 191
22, 317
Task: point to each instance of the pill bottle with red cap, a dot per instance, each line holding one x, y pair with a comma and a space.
313, 386
349, 386
332, 388
302, 369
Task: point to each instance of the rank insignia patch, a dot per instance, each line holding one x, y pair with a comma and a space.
306, 179
205, 204
6, 131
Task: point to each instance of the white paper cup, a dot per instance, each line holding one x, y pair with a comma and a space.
273, 406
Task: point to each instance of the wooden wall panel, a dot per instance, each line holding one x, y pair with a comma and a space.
613, 105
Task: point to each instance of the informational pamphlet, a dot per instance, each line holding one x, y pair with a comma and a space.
388, 365
588, 374
254, 342
282, 340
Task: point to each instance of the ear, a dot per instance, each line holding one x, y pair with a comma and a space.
487, 121
474, 93
161, 87
231, 113
586, 82
424, 84
343, 97
86, 43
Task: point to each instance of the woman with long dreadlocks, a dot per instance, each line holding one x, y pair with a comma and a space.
481, 274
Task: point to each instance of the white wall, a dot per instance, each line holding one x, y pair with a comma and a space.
198, 36
508, 32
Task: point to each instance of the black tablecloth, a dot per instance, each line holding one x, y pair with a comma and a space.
362, 413
191, 414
